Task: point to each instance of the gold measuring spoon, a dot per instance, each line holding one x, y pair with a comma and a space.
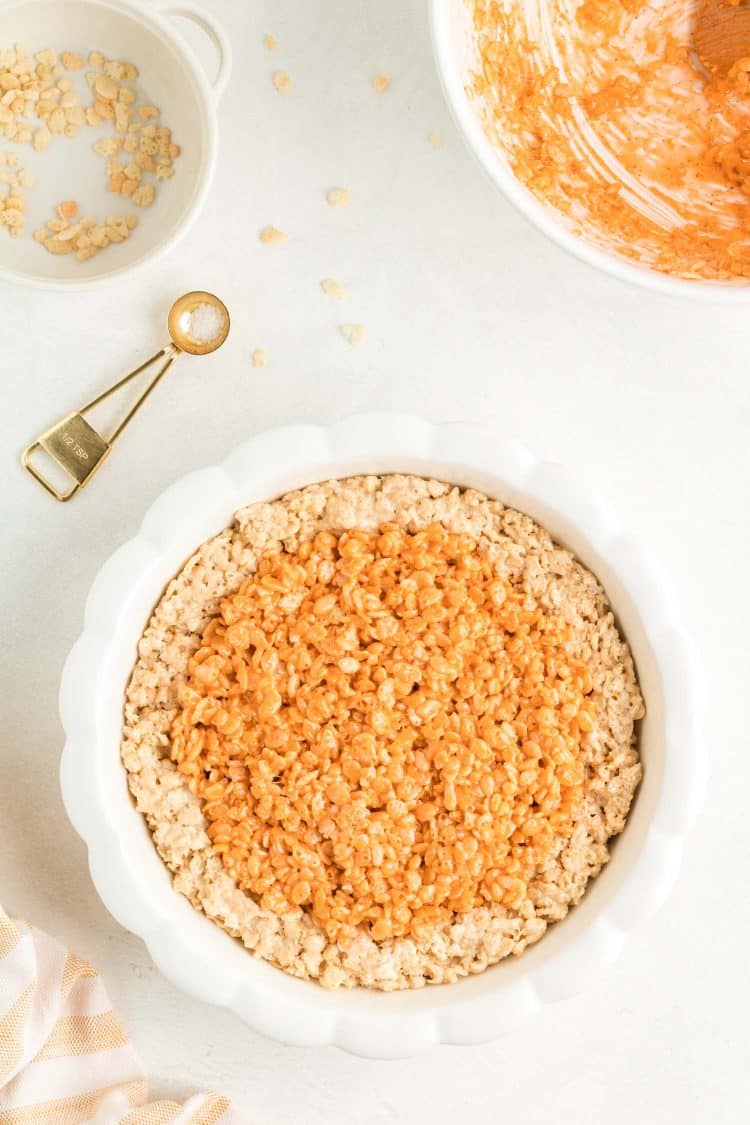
198, 324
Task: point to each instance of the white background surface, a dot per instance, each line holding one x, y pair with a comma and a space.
469, 315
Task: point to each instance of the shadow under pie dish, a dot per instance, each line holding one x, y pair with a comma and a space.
402, 937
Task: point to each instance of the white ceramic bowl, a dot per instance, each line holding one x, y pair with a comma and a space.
454, 49
200, 957
171, 77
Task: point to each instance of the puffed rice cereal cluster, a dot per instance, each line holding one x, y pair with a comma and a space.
382, 730
39, 102
13, 183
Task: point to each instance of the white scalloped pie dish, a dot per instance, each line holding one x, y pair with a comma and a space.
198, 956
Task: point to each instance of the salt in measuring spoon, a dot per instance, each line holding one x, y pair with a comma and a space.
198, 324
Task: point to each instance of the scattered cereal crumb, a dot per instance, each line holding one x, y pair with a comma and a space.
283, 81
71, 61
333, 288
42, 138
354, 334
381, 82
12, 198
105, 87
435, 140
338, 197
144, 195
272, 236
259, 357
120, 71
47, 57
85, 237
57, 121
270, 42
68, 209
108, 146
58, 246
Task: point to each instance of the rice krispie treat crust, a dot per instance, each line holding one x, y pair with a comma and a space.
524, 556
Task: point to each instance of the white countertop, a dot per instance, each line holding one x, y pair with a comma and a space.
469, 314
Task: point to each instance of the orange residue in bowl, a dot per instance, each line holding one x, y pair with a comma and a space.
606, 115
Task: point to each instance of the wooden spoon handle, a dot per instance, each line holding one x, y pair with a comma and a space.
722, 34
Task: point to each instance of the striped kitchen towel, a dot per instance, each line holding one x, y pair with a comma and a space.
64, 1057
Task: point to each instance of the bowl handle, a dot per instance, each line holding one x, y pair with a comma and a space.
215, 33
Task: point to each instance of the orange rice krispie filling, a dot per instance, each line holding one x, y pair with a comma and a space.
384, 732
607, 116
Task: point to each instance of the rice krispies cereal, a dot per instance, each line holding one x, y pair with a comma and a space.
524, 554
